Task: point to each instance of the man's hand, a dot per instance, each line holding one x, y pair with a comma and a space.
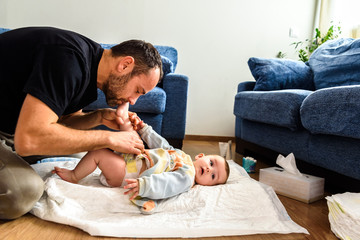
113, 120
110, 119
127, 142
133, 185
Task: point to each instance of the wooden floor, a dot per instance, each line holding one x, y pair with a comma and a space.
313, 217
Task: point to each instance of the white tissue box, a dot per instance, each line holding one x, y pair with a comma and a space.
305, 188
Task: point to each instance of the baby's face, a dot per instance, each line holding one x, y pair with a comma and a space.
209, 170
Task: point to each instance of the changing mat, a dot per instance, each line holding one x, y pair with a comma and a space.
240, 207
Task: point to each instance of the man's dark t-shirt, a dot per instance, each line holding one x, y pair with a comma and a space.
56, 66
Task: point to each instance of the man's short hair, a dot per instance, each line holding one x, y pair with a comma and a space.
145, 54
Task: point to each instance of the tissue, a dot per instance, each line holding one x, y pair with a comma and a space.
288, 164
289, 182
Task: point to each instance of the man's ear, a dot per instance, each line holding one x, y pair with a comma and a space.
126, 63
200, 155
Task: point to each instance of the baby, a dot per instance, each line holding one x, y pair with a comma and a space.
158, 173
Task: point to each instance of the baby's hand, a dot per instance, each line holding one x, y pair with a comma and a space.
133, 185
136, 121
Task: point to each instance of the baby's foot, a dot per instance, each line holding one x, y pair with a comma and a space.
123, 112
148, 206
65, 174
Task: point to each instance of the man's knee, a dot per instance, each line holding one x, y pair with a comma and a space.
20, 188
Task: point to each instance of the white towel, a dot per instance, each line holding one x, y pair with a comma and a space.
344, 215
240, 207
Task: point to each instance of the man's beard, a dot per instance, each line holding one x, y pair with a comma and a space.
114, 87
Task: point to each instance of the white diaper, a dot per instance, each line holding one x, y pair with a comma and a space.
134, 164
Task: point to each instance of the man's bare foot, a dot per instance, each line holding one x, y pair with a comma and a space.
65, 174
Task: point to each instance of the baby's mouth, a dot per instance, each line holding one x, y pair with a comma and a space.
202, 171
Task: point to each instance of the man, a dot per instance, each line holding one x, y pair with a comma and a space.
47, 76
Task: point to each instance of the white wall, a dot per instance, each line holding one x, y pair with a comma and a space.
214, 39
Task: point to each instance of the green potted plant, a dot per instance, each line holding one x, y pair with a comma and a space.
312, 44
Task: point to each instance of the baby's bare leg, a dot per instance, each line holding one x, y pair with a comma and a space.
111, 164
65, 174
86, 166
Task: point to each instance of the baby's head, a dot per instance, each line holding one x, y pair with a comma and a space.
211, 170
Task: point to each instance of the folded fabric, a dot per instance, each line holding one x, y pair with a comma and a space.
242, 206
344, 215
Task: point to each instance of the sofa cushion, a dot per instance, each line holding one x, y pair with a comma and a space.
336, 63
152, 102
167, 65
169, 52
280, 107
333, 111
275, 74
2, 30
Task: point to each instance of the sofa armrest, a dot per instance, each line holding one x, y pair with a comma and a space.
246, 86
334, 111
174, 117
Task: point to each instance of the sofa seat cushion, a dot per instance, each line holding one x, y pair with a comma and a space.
275, 74
336, 63
280, 108
333, 111
152, 102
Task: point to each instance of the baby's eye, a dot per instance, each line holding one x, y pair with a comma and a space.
211, 163
213, 176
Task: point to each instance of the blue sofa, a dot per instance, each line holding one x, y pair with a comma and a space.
311, 109
164, 108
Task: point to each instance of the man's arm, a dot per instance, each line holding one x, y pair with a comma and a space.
38, 132
81, 120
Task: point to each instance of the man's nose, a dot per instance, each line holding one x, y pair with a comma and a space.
132, 100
